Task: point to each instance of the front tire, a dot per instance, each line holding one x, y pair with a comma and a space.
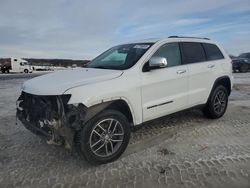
26, 71
104, 138
217, 103
244, 68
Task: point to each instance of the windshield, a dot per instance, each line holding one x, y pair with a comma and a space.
245, 55
120, 57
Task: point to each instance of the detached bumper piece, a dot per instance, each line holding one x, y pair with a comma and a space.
51, 116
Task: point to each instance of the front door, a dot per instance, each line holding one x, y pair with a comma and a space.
165, 90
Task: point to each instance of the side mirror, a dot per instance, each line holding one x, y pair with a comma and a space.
157, 62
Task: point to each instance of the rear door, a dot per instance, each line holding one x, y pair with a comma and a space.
165, 90
215, 62
200, 71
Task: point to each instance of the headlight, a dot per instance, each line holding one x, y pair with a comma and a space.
245, 60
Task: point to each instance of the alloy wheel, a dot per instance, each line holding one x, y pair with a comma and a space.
106, 137
220, 102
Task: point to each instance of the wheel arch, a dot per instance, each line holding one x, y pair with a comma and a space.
223, 80
120, 105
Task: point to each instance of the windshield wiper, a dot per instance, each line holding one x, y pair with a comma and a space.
103, 67
99, 67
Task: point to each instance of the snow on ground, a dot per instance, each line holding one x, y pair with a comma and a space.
181, 150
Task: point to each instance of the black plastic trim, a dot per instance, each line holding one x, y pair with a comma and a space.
159, 104
188, 37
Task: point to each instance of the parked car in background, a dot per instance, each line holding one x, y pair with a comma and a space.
95, 107
41, 68
241, 63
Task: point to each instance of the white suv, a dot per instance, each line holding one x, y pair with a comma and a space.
93, 108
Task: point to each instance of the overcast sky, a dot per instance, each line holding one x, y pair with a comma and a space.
81, 29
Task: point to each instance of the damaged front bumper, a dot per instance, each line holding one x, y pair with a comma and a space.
51, 116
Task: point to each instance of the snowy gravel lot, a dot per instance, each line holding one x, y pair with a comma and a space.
181, 150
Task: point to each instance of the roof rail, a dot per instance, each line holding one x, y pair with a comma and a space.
188, 37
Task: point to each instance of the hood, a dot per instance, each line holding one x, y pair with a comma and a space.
240, 58
245, 60
57, 83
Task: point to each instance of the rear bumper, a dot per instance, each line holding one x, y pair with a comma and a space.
236, 67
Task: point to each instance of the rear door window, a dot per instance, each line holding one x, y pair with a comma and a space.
192, 52
212, 52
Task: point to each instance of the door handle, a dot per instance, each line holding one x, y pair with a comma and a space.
210, 66
181, 71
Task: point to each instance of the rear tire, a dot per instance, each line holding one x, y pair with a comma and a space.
217, 103
26, 71
104, 138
